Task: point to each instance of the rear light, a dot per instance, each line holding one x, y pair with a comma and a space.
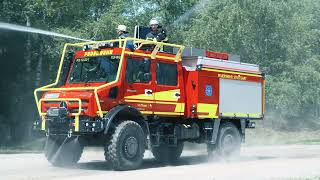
217, 55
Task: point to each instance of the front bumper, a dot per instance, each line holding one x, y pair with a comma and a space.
59, 122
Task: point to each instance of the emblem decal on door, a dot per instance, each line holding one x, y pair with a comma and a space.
148, 92
208, 90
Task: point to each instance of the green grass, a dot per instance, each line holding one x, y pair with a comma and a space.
267, 136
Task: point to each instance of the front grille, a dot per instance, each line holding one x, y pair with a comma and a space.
58, 120
72, 106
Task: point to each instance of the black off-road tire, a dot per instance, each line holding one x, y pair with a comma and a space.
127, 146
63, 151
228, 141
166, 154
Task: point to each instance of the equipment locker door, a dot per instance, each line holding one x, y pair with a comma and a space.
139, 87
168, 95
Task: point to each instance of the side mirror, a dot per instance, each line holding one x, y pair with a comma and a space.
65, 68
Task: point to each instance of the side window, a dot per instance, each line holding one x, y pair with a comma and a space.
167, 74
138, 71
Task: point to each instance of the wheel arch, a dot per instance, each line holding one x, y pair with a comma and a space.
240, 125
124, 112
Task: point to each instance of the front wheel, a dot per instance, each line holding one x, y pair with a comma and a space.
127, 145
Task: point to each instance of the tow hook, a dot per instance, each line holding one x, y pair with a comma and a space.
70, 133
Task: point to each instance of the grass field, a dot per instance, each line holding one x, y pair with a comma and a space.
267, 136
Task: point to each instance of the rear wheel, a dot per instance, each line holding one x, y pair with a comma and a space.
167, 154
63, 151
126, 147
228, 141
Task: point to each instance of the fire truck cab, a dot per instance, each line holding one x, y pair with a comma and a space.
128, 101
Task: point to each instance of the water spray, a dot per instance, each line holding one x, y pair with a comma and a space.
14, 27
196, 8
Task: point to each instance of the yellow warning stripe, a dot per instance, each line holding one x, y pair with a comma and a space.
250, 115
138, 101
158, 102
167, 95
161, 113
178, 109
160, 96
232, 72
167, 113
211, 109
146, 112
140, 96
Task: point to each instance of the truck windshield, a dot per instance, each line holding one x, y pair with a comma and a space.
94, 69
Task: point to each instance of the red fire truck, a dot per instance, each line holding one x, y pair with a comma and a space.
155, 97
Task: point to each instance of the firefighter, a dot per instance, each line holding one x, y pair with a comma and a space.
122, 34
156, 31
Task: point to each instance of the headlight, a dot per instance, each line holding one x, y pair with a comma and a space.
87, 47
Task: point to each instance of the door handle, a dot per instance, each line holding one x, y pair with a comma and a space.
148, 92
177, 94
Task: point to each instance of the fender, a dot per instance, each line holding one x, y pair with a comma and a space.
215, 131
128, 112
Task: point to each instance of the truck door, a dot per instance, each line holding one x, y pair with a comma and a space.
139, 88
169, 99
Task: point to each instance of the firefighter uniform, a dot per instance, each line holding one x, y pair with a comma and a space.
122, 32
156, 31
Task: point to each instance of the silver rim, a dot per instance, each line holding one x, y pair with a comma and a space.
228, 144
131, 147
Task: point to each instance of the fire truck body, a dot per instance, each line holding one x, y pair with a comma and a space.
232, 89
130, 100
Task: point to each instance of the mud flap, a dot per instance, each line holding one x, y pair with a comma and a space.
243, 130
215, 131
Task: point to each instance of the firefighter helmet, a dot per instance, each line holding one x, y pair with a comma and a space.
122, 28
154, 21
